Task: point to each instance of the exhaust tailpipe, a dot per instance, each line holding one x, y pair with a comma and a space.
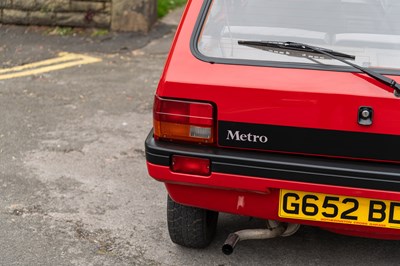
257, 234
230, 243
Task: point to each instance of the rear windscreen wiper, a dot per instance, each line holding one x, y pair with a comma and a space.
304, 48
293, 46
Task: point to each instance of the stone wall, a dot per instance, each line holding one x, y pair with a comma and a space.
120, 15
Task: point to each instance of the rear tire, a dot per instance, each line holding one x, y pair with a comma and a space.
189, 226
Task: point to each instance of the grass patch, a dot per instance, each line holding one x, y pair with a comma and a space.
164, 6
100, 32
61, 31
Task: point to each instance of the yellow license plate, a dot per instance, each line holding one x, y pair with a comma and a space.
339, 209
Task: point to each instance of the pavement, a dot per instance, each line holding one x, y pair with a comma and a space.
74, 188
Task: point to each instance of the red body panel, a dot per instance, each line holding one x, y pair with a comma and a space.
259, 197
296, 97
276, 96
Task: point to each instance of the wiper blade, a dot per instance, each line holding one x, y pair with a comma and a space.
294, 46
301, 47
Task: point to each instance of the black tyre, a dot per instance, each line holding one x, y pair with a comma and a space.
190, 227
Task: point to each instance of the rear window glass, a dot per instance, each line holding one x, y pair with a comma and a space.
367, 29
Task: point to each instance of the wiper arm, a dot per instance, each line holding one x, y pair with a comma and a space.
295, 46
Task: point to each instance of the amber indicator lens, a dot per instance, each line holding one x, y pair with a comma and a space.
190, 165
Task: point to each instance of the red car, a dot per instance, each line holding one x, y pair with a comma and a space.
284, 110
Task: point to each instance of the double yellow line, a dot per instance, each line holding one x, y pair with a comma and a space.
64, 60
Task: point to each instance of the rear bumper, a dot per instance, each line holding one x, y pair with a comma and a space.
279, 167
248, 183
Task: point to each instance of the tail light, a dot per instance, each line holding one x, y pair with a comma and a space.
190, 165
183, 121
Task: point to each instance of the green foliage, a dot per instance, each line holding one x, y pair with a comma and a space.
164, 6
61, 31
99, 32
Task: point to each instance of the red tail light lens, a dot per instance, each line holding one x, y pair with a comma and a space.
183, 120
190, 165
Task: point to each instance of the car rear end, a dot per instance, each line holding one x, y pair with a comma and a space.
293, 139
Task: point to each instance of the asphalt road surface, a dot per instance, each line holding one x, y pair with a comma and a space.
74, 189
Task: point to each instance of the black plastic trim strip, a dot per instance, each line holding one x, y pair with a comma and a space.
247, 62
157, 159
345, 144
337, 172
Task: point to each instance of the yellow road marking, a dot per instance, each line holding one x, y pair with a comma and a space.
64, 60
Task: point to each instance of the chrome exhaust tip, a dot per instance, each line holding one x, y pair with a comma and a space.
280, 229
230, 243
